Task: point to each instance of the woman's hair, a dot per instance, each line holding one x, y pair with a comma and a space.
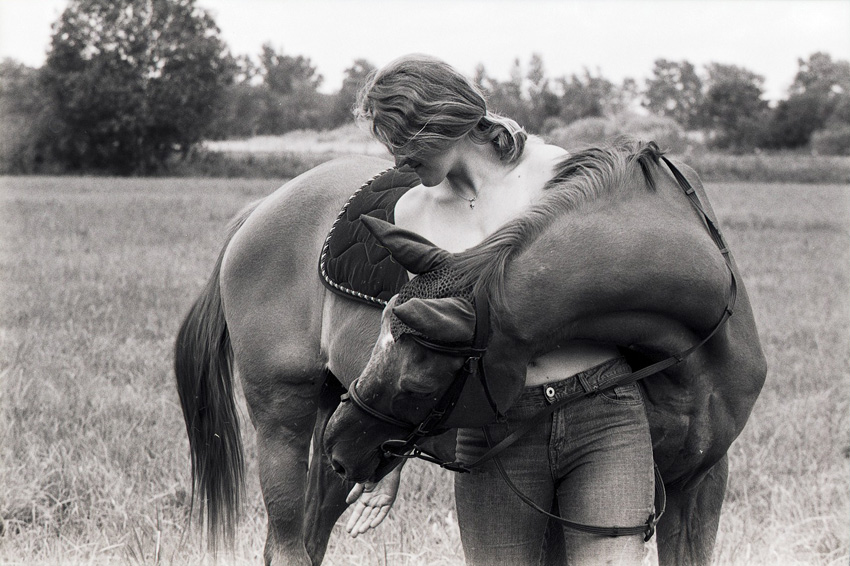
418, 104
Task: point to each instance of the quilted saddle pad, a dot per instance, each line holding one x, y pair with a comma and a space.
352, 263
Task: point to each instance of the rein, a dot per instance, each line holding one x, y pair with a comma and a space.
407, 448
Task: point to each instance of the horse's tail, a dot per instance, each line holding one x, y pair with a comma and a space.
203, 365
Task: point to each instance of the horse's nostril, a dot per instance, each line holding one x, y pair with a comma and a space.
338, 468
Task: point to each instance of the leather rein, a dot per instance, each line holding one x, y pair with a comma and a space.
432, 424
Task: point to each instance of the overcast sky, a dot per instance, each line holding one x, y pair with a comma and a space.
619, 38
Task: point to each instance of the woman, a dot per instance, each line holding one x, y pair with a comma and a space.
593, 460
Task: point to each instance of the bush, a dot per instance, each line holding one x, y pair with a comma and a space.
583, 132
832, 141
25, 121
131, 83
18, 153
666, 132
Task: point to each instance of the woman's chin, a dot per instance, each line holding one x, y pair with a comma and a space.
428, 181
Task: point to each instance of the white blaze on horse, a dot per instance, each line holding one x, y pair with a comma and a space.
615, 252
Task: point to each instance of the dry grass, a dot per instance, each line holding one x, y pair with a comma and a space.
345, 139
95, 275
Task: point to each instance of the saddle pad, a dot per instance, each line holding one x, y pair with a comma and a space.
352, 263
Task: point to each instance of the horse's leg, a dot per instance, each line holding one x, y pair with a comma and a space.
283, 401
688, 528
326, 490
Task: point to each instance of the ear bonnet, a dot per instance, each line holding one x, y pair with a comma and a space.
437, 284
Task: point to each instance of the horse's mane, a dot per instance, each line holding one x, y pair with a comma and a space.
582, 178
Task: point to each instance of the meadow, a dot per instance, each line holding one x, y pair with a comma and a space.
96, 274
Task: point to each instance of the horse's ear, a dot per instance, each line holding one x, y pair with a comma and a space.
444, 320
410, 250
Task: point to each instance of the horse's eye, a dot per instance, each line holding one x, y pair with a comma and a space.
416, 387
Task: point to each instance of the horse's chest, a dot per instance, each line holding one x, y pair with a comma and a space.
349, 332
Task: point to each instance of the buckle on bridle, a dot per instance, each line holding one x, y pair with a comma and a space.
395, 449
650, 527
457, 467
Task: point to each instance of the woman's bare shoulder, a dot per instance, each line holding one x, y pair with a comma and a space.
542, 149
542, 162
411, 208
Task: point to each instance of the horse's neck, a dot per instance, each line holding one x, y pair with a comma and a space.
628, 272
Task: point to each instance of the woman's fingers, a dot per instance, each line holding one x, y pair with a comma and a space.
381, 514
364, 518
354, 493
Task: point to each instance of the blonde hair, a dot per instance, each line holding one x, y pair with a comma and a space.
418, 104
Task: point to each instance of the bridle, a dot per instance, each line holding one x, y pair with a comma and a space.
432, 424
436, 418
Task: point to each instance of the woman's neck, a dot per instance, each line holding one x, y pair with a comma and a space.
477, 166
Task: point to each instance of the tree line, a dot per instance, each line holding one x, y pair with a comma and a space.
130, 85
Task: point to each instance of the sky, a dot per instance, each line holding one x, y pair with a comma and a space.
615, 38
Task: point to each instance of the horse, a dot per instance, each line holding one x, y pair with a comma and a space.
616, 253
265, 316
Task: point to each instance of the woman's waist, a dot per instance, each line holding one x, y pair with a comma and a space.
568, 360
601, 377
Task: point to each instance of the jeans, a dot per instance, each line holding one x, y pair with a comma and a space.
591, 462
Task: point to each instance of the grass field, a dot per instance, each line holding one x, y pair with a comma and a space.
96, 274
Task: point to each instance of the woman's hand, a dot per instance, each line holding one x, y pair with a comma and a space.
373, 502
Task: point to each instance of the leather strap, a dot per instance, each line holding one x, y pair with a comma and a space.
355, 398
647, 529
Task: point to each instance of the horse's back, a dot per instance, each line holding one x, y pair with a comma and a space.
270, 287
296, 217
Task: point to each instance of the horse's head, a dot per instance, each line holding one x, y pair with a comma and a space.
423, 374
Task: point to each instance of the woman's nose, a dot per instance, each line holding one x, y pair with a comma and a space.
405, 162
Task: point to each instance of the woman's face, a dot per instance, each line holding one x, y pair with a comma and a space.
431, 167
